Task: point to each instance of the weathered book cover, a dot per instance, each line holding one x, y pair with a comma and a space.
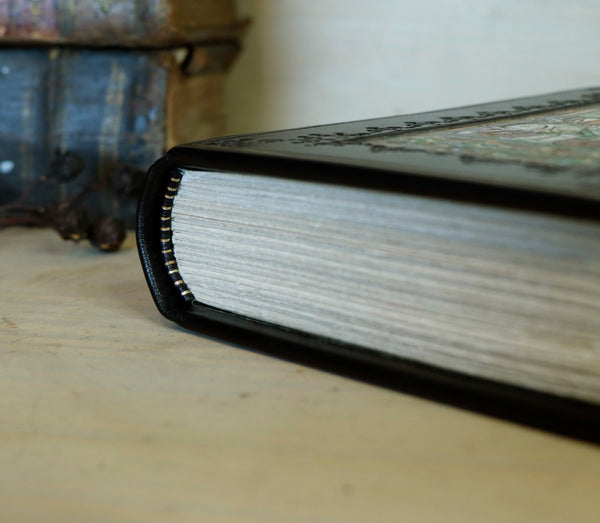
533, 159
139, 23
107, 86
113, 108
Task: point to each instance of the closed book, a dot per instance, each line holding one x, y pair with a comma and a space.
454, 254
133, 23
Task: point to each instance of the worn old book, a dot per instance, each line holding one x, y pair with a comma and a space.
111, 83
113, 108
456, 252
139, 23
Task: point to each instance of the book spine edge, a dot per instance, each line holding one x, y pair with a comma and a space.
152, 241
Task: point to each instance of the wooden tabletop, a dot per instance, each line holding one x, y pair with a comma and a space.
110, 413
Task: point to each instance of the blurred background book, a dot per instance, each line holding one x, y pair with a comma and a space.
93, 88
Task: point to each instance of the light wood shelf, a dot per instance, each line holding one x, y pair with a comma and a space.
110, 413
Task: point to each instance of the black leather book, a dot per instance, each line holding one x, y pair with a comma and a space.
452, 254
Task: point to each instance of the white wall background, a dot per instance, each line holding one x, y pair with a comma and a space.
320, 61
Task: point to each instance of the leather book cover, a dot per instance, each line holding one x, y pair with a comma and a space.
471, 163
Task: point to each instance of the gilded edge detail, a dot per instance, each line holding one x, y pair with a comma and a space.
166, 237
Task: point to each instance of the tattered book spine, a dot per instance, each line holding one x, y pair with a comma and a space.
113, 108
139, 23
110, 83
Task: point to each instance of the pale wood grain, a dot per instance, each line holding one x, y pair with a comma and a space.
110, 413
